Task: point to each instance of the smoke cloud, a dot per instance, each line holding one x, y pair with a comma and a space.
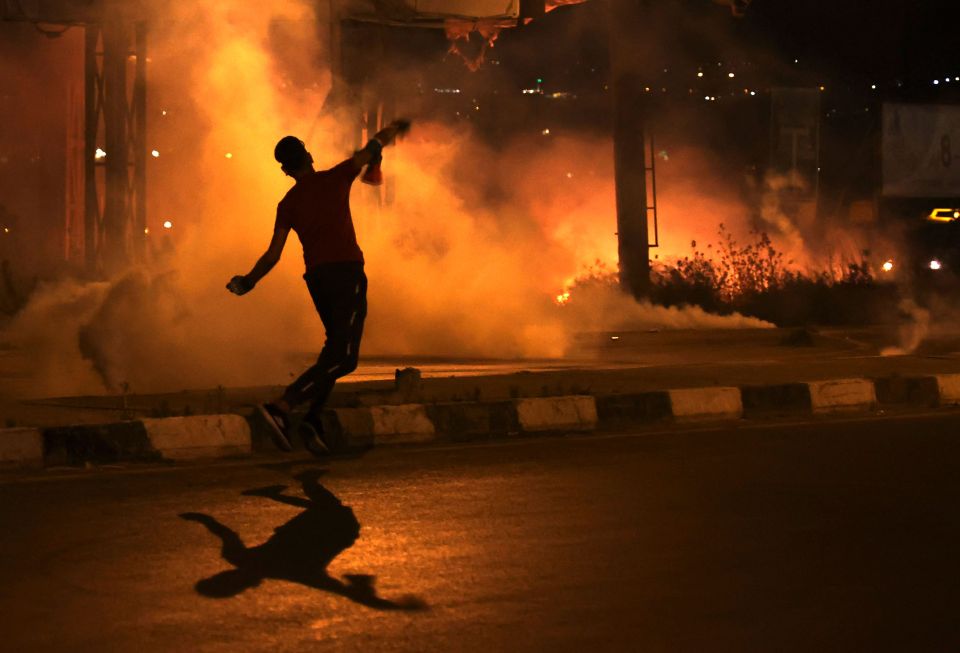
913, 329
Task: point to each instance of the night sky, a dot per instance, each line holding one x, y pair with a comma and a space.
849, 42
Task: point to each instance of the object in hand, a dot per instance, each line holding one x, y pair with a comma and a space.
373, 175
402, 125
239, 285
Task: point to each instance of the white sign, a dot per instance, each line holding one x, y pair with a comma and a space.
921, 150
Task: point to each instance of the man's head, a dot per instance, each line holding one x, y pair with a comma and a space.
293, 156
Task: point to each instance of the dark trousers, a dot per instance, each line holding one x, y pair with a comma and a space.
339, 291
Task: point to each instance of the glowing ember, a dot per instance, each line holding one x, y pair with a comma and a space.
545, 132
154, 154
229, 155
935, 264
473, 49
146, 230
167, 224
563, 298
99, 154
887, 266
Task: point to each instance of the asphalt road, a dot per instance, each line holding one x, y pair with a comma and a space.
837, 536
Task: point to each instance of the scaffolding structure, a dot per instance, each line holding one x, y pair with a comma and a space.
108, 180
115, 206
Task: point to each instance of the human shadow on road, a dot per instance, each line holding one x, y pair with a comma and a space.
299, 551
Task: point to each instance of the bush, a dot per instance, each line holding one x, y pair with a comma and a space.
753, 279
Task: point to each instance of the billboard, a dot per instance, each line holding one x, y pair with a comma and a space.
921, 150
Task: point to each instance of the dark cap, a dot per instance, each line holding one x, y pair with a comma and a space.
290, 152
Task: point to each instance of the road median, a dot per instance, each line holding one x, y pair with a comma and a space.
234, 435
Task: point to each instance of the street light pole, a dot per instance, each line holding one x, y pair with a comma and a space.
630, 54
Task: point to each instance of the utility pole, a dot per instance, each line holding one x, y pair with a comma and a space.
631, 54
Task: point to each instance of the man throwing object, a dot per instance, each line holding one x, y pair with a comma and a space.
317, 208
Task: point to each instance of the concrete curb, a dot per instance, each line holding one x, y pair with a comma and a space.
21, 447
218, 436
842, 395
706, 404
948, 388
203, 436
571, 413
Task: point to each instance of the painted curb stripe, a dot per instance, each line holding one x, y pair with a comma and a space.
200, 436
577, 412
21, 447
403, 423
367, 426
776, 400
949, 388
468, 420
623, 411
919, 391
842, 395
97, 443
706, 403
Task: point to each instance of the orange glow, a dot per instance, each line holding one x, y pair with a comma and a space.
498, 270
458, 33
550, 5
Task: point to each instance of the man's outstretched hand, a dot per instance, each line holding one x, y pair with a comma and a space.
239, 285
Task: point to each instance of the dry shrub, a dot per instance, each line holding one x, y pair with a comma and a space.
754, 279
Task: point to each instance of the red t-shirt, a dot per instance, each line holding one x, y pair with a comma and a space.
318, 209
